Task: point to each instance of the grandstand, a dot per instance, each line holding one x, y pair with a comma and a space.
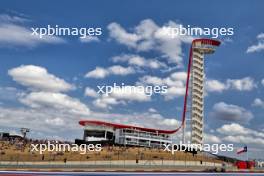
127, 135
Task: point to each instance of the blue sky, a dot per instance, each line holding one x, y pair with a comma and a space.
234, 74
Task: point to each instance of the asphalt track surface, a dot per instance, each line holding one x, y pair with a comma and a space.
31, 173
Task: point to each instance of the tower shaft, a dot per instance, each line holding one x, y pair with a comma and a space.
197, 94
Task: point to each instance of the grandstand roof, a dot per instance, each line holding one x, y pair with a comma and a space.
121, 126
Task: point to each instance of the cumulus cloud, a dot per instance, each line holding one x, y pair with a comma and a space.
152, 110
106, 102
259, 46
118, 33
55, 121
245, 140
148, 36
258, 103
44, 120
237, 129
139, 61
13, 33
38, 78
214, 86
170, 122
244, 84
119, 70
230, 112
89, 39
262, 82
100, 72
239, 134
210, 138
54, 100
90, 92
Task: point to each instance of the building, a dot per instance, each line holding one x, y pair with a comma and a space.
4, 135
195, 87
127, 135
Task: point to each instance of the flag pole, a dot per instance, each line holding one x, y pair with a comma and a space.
247, 154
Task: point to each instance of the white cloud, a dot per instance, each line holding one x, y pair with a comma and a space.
152, 80
90, 92
244, 140
257, 47
230, 112
244, 84
170, 122
38, 78
152, 110
209, 138
236, 129
119, 70
239, 134
118, 33
232, 129
260, 36
13, 34
149, 36
106, 102
258, 103
100, 72
56, 121
262, 82
136, 60
39, 119
89, 39
54, 100
214, 86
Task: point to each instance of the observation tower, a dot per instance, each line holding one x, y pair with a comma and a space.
194, 97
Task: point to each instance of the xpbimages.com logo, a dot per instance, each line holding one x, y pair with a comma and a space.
214, 148
180, 30
58, 147
82, 32
126, 89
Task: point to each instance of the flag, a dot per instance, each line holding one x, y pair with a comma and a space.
242, 150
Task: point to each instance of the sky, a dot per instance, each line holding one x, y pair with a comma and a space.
49, 84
